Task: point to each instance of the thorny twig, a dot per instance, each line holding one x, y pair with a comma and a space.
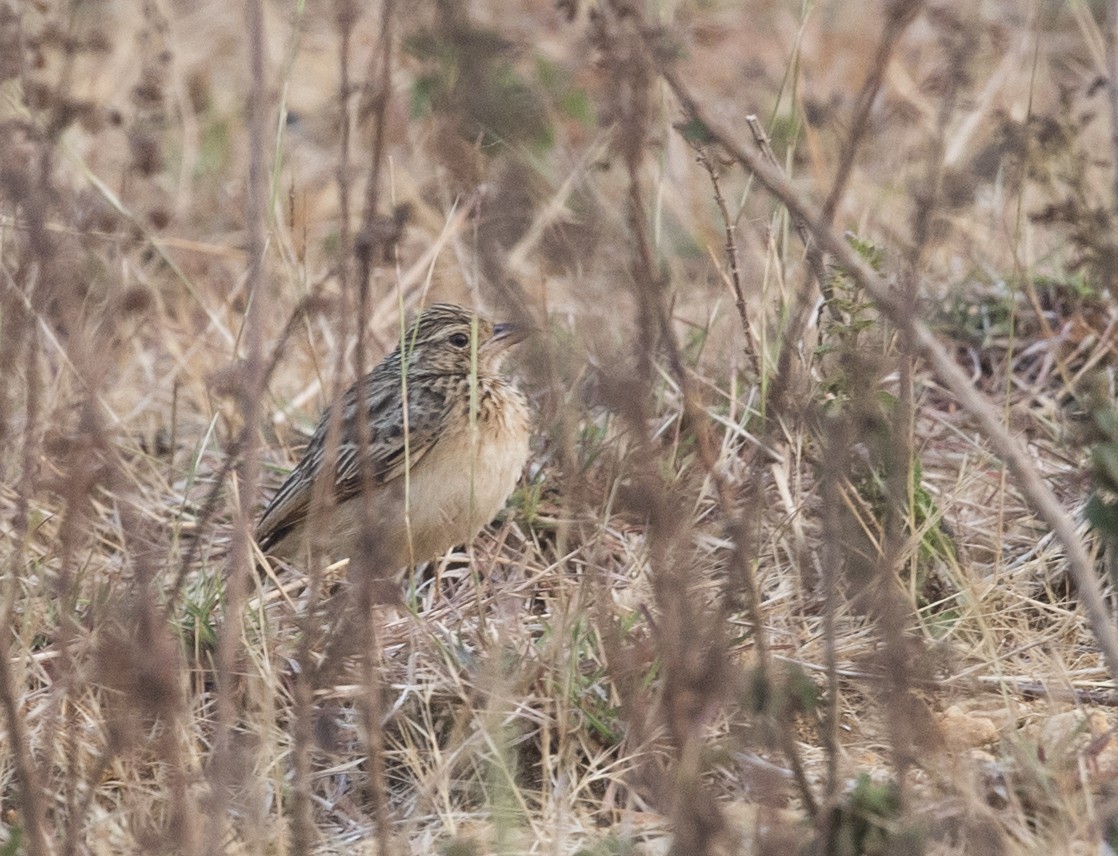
815, 260
731, 249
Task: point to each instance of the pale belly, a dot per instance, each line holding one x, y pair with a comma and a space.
460, 486
451, 493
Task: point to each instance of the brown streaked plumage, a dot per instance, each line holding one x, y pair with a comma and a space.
437, 475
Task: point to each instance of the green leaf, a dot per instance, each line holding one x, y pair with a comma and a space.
695, 131
1103, 514
1104, 457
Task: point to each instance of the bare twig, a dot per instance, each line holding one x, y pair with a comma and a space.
27, 775
1110, 36
368, 566
829, 732
901, 475
731, 249
239, 565
20, 340
899, 14
815, 260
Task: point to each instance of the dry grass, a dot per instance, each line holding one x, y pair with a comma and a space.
765, 586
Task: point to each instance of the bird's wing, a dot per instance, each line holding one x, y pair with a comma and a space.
392, 448
393, 445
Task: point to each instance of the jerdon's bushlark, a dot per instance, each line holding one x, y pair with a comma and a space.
433, 475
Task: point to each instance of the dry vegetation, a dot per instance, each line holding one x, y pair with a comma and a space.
768, 585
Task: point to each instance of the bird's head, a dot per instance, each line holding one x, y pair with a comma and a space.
445, 338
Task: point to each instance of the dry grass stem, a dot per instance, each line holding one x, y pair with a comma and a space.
771, 581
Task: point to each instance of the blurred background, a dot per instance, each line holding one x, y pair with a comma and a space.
763, 587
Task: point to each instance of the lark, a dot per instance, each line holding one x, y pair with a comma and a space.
434, 472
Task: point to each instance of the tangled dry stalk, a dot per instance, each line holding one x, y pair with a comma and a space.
814, 551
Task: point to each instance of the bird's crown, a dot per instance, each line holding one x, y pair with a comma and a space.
443, 323
441, 340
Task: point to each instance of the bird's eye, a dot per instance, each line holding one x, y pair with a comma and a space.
459, 340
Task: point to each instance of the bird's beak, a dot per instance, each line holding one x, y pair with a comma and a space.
507, 334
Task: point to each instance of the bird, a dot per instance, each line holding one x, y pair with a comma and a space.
433, 473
